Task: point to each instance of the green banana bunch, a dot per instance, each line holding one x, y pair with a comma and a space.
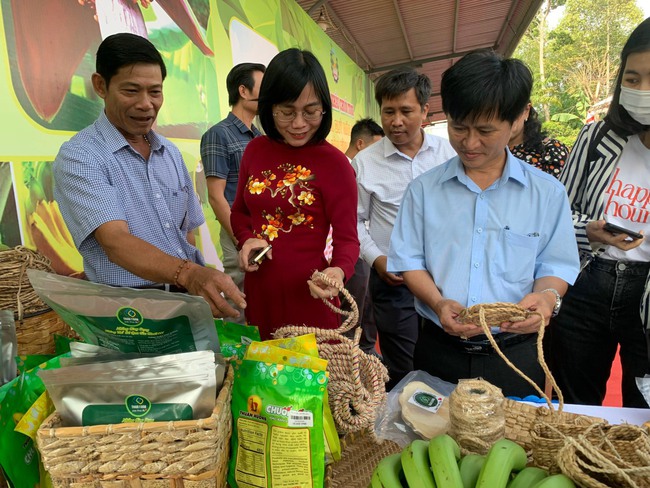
470, 467
504, 457
527, 477
415, 463
555, 481
389, 472
438, 463
444, 454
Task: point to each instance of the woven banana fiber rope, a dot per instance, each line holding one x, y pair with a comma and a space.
16, 292
542, 430
357, 380
360, 454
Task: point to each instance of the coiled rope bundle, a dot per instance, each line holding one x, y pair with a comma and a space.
16, 292
357, 380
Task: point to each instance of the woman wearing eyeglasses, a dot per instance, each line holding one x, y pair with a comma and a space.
293, 185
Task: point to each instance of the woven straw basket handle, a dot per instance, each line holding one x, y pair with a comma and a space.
495, 313
352, 315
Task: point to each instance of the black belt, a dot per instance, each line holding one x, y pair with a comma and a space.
480, 344
163, 286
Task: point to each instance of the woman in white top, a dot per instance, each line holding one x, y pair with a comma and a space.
607, 178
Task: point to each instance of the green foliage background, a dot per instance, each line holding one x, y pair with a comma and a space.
580, 59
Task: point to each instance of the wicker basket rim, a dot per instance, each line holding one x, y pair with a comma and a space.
47, 431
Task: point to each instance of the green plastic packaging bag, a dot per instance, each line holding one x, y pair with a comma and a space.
234, 338
277, 438
18, 456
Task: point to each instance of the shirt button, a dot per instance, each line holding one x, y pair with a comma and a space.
157, 195
476, 265
167, 225
474, 299
479, 230
482, 196
179, 250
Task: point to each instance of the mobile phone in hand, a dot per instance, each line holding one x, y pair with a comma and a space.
615, 229
260, 255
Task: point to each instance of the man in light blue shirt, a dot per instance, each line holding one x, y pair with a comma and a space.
484, 227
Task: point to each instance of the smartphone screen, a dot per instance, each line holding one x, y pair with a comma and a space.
615, 229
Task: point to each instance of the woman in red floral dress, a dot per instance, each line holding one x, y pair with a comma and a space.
293, 185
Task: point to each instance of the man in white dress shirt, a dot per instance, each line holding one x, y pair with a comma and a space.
383, 172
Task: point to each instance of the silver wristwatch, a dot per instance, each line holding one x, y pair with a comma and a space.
558, 300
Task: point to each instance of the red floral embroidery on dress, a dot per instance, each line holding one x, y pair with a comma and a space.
292, 185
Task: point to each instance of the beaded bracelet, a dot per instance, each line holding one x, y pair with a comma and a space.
178, 272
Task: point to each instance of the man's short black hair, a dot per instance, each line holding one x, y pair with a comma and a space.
398, 81
365, 129
284, 80
242, 74
484, 83
125, 49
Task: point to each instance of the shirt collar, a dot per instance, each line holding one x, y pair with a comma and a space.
390, 149
512, 170
237, 122
115, 140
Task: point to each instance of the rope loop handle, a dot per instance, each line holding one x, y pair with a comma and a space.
496, 313
352, 315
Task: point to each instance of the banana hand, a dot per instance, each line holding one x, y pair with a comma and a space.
415, 463
444, 454
470, 467
389, 471
504, 457
52, 238
527, 477
556, 481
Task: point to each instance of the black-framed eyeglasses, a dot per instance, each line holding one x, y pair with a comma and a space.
309, 115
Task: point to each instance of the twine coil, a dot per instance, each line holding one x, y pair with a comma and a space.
477, 418
357, 380
16, 292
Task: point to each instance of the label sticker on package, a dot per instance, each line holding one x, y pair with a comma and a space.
426, 401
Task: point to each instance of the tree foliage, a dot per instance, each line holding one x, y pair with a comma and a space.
575, 64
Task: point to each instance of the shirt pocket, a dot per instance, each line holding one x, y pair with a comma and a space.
517, 256
177, 202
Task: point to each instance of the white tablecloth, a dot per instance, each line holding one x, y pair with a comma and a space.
614, 415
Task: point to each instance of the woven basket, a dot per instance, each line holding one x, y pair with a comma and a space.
36, 323
35, 333
618, 455
189, 453
360, 454
521, 419
357, 383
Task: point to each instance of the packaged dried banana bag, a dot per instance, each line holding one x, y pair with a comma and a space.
128, 319
277, 438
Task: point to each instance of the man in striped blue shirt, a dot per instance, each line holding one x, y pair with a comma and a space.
222, 147
124, 190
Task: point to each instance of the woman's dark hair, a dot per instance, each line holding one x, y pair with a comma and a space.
619, 119
483, 83
533, 134
125, 49
284, 80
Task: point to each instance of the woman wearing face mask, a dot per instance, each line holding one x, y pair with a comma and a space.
293, 185
607, 178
